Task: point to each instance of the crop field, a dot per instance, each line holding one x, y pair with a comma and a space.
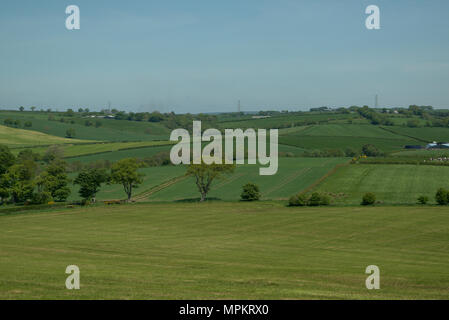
392, 184
425, 134
14, 137
294, 175
227, 251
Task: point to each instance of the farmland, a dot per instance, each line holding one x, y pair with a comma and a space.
226, 251
294, 175
392, 184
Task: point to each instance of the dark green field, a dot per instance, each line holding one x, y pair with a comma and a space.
225, 251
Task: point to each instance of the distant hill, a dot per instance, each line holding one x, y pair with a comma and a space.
14, 137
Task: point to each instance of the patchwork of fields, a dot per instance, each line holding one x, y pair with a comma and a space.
228, 251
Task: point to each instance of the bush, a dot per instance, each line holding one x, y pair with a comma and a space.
41, 197
299, 200
325, 200
315, 199
442, 196
250, 192
368, 199
423, 199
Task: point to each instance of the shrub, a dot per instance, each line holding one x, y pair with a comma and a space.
41, 197
250, 192
315, 199
423, 199
325, 200
442, 196
299, 200
368, 199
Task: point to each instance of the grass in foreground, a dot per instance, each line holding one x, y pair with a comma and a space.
225, 251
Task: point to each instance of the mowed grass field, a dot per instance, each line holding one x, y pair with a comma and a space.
227, 251
392, 184
294, 175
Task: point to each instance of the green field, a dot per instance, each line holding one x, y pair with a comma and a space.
154, 176
342, 136
294, 175
110, 130
225, 251
14, 137
75, 151
392, 184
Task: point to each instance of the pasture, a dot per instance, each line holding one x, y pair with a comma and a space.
392, 184
225, 251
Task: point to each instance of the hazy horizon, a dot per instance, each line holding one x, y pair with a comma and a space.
203, 56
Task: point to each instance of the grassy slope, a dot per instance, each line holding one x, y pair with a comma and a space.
14, 137
225, 251
111, 130
294, 174
392, 184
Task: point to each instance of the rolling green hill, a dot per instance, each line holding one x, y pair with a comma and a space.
14, 137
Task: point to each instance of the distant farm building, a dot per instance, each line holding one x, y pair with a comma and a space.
438, 145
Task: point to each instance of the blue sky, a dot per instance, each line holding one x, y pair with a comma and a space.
203, 56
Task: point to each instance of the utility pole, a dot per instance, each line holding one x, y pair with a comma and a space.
238, 108
376, 101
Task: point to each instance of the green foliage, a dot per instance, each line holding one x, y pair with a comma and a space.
423, 199
54, 180
315, 199
90, 181
442, 196
370, 150
28, 124
125, 172
7, 159
368, 199
250, 192
299, 200
70, 133
42, 197
205, 174
53, 153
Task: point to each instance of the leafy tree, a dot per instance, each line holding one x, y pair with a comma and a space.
250, 192
28, 154
54, 180
7, 159
53, 152
80, 110
371, 151
18, 181
368, 199
41, 197
28, 124
33, 108
442, 196
21, 108
125, 172
70, 133
90, 181
70, 113
205, 174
